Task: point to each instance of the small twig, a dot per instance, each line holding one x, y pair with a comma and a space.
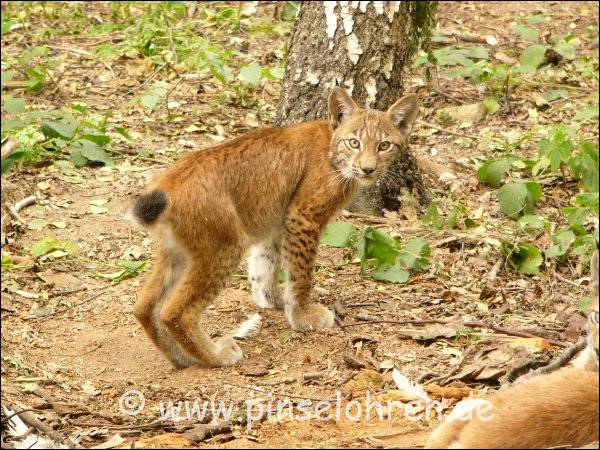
445, 130
14, 210
89, 299
275, 393
148, 80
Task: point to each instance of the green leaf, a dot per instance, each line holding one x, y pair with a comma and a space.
394, 274
6, 76
532, 57
526, 32
98, 139
251, 73
562, 242
339, 234
78, 159
62, 129
492, 172
513, 198
129, 269
289, 11
478, 53
491, 105
378, 246
555, 94
524, 257
532, 224
13, 105
123, 132
587, 200
432, 217
92, 152
150, 101
567, 51
48, 244
587, 113
37, 224
415, 255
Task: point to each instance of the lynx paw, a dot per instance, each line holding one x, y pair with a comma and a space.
227, 352
310, 318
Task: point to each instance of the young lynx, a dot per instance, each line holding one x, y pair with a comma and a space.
552, 410
271, 191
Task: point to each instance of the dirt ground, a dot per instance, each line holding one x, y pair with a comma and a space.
71, 347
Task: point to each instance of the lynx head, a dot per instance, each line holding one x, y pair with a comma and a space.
593, 312
365, 141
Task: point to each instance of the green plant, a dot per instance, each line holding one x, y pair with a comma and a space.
381, 255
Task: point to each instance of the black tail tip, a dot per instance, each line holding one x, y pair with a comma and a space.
149, 206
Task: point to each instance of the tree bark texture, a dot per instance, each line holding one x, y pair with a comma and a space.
362, 46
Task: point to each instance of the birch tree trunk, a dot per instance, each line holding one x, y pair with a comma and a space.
364, 47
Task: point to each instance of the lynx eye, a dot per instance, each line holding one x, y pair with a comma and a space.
354, 143
384, 146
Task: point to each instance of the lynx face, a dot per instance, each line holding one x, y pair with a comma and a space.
365, 142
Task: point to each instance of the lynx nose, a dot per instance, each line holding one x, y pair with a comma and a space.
367, 170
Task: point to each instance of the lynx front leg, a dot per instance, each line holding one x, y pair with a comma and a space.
263, 263
299, 250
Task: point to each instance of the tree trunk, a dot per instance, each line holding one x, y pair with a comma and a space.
362, 46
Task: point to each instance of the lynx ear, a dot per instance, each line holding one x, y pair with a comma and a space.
341, 107
404, 112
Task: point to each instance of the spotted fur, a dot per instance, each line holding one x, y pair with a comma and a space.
271, 191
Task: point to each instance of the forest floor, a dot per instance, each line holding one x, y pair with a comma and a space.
71, 348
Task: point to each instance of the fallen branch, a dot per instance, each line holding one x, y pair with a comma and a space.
14, 210
469, 324
471, 38
29, 419
560, 361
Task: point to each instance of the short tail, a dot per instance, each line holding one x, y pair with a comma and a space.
148, 207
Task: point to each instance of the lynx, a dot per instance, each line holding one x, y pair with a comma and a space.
553, 410
271, 191
556, 409
588, 359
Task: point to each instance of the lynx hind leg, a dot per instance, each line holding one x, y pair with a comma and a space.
263, 263
209, 266
155, 290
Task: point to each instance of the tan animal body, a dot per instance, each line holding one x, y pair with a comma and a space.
551, 410
272, 192
557, 409
588, 359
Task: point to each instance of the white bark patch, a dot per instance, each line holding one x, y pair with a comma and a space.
347, 17
312, 78
297, 74
363, 6
354, 4
393, 8
331, 21
378, 7
387, 69
353, 47
371, 88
